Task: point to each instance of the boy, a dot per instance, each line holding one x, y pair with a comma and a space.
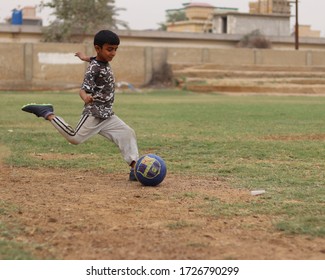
97, 91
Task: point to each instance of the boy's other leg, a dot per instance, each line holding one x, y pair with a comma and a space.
123, 136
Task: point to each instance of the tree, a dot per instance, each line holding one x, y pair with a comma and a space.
173, 16
80, 17
176, 15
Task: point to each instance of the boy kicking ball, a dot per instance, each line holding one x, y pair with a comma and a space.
97, 91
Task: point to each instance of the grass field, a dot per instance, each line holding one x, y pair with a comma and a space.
274, 143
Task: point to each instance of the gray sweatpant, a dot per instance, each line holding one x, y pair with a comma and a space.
113, 128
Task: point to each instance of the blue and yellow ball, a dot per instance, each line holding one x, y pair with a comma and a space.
150, 170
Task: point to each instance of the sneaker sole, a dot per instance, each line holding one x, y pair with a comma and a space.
31, 104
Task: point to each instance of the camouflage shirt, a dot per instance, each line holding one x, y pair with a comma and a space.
99, 82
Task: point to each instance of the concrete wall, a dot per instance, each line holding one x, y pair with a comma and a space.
39, 66
28, 66
25, 66
250, 57
151, 38
12, 61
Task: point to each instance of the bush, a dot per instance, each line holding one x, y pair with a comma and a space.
255, 39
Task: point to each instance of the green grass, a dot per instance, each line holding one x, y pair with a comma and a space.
276, 143
9, 248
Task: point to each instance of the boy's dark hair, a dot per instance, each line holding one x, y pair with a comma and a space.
106, 37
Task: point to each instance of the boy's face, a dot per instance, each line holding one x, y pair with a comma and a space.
106, 53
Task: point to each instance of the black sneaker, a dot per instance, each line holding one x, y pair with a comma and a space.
132, 175
40, 110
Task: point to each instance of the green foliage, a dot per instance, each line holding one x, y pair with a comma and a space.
75, 18
176, 15
173, 16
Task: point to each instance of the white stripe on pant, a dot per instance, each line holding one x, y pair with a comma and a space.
113, 128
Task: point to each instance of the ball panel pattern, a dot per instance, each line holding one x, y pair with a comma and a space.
150, 170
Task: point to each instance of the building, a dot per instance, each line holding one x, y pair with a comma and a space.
306, 31
28, 17
272, 18
245, 23
198, 17
281, 7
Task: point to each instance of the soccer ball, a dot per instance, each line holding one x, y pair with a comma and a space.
150, 170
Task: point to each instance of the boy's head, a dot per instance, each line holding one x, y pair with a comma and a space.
106, 44
106, 37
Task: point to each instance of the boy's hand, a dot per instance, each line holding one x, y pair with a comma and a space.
82, 56
86, 97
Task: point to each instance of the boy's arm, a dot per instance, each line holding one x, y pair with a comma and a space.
82, 56
88, 84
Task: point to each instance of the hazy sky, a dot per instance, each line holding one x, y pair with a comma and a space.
146, 14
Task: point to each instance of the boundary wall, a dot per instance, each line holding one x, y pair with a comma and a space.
53, 66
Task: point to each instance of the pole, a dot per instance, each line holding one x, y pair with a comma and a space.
297, 28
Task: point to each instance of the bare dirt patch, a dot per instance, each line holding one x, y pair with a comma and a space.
70, 214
